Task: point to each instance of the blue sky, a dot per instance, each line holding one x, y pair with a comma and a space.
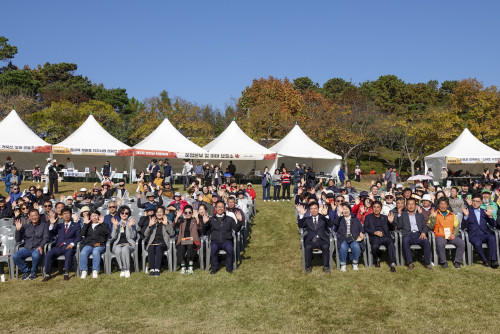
208, 52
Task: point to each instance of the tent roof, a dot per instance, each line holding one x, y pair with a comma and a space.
91, 135
13, 131
297, 144
234, 140
167, 138
466, 146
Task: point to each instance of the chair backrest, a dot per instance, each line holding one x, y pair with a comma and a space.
7, 244
7, 222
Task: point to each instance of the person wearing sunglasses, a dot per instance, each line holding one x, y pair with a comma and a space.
21, 213
47, 208
188, 239
124, 236
113, 214
120, 191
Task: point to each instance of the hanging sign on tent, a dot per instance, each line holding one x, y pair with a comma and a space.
91, 151
25, 148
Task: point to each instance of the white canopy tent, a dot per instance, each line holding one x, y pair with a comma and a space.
19, 142
91, 145
466, 153
297, 147
233, 144
166, 142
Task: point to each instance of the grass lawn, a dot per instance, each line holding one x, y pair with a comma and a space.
268, 293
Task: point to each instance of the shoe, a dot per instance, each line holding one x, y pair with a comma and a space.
377, 264
355, 266
183, 270
326, 270
494, 264
46, 278
95, 274
190, 271
288, 200
25, 276
127, 273
308, 270
456, 265
229, 271
343, 268
428, 267
411, 266
84, 274
152, 273
213, 272
2, 278
486, 264
393, 269
122, 273
66, 276
157, 273
283, 199
32, 276
444, 265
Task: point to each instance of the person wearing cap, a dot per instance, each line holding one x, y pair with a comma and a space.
68, 235
167, 191
35, 235
12, 179
426, 207
151, 199
251, 191
219, 228
15, 193
120, 192
388, 204
446, 229
414, 232
157, 233
479, 224
95, 234
87, 201
53, 177
97, 197
487, 203
178, 201
377, 227
150, 211
359, 202
198, 199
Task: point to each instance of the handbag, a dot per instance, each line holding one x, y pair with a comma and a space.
349, 238
187, 241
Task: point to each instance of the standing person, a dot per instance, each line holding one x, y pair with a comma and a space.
67, 234
266, 185
46, 172
341, 176
387, 178
285, 181
36, 174
35, 235
53, 178
297, 176
444, 175
357, 174
372, 171
95, 233
124, 235
310, 178
12, 180
216, 177
207, 175
153, 169
232, 169
168, 172
186, 172
276, 183
9, 163
198, 170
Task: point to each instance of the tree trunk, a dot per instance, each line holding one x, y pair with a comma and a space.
346, 170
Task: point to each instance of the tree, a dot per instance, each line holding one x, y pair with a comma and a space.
18, 82
387, 92
305, 83
116, 97
336, 88
7, 51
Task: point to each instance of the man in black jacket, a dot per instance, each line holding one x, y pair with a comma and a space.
220, 227
376, 225
53, 178
35, 235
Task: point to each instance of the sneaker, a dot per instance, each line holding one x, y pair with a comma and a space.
32, 276
190, 271
213, 272
288, 200
66, 276
355, 266
393, 269
494, 264
283, 199
2, 278
127, 273
343, 268
95, 274
25, 276
326, 270
444, 265
46, 278
122, 273
183, 270
308, 270
152, 273
456, 265
84, 274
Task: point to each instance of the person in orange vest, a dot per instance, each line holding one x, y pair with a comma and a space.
446, 230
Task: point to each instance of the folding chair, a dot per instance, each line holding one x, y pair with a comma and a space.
110, 256
337, 255
7, 246
316, 251
200, 252
103, 259
395, 238
470, 248
222, 252
449, 247
167, 253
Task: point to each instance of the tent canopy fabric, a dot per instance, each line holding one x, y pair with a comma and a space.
297, 147
465, 150
16, 136
91, 139
234, 144
166, 141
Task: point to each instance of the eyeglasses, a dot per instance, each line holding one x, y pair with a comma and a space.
25, 208
125, 213
340, 201
112, 207
477, 201
15, 188
47, 206
188, 212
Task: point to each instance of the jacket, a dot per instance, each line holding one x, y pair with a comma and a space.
404, 225
34, 236
99, 234
440, 223
130, 234
475, 228
370, 225
150, 233
222, 231
193, 229
321, 230
356, 230
73, 234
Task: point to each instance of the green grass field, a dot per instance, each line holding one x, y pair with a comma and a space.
268, 293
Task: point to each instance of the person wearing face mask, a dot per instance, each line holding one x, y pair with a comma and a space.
188, 240
446, 229
157, 233
317, 227
479, 224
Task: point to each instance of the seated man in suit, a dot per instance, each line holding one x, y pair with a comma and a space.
377, 227
68, 235
317, 227
414, 230
479, 224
